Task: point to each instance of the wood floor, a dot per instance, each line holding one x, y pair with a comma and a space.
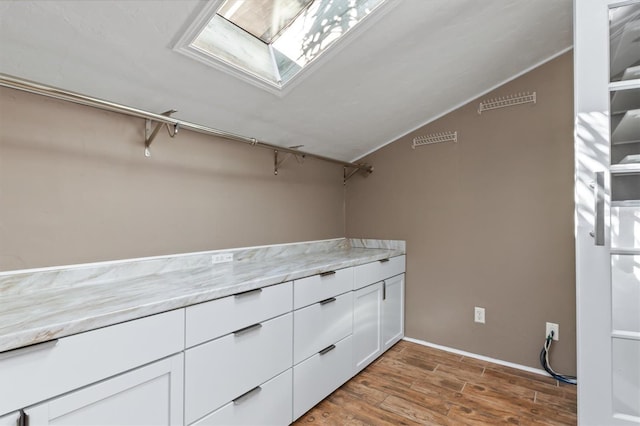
416, 385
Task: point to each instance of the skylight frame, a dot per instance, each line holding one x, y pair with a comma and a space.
183, 46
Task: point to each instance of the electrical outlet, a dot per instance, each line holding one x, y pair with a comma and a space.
478, 315
556, 330
221, 258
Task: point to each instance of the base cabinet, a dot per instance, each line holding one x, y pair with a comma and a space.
367, 325
392, 311
378, 319
321, 374
11, 419
149, 395
268, 404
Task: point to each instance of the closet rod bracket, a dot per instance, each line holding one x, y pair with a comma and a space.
364, 168
150, 135
277, 161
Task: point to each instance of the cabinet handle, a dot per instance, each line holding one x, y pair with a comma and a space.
327, 273
249, 292
384, 290
598, 195
24, 419
246, 395
327, 349
329, 300
383, 260
25, 350
247, 329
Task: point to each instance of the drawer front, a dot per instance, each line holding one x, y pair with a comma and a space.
321, 324
320, 287
373, 272
268, 405
320, 375
210, 320
225, 368
40, 372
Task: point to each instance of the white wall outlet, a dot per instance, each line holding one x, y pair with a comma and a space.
556, 331
478, 315
221, 258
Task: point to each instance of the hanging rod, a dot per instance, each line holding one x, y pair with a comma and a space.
65, 95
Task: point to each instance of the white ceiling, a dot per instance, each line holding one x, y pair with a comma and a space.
418, 59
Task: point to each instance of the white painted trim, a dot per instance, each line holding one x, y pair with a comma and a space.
463, 103
480, 357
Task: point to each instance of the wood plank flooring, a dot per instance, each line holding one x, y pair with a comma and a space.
416, 385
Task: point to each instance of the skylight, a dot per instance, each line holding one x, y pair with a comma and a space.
271, 40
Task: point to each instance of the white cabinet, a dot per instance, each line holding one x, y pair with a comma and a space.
39, 372
367, 325
392, 311
268, 405
378, 309
11, 419
321, 324
149, 395
222, 370
322, 344
607, 196
321, 374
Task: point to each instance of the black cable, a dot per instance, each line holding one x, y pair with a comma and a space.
544, 360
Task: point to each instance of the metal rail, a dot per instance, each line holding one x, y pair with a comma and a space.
54, 92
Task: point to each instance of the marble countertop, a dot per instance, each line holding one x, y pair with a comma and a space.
45, 304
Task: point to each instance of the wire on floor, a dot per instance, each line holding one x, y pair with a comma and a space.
544, 360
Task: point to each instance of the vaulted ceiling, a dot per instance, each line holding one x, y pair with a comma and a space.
410, 63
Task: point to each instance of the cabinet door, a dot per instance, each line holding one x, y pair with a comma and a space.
150, 395
392, 311
10, 419
367, 325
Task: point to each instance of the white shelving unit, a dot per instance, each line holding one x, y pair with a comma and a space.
607, 105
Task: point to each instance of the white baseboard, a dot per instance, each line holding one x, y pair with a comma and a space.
480, 357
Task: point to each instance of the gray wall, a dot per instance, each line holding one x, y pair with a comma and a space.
75, 187
488, 222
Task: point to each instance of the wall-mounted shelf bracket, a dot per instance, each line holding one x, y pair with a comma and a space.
279, 161
507, 101
349, 174
434, 138
150, 135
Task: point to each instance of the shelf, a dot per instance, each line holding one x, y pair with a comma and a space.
625, 168
626, 203
631, 335
624, 85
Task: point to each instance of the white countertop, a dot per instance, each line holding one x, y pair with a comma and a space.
45, 304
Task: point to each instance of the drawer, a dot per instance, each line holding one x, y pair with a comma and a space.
323, 286
373, 272
321, 324
42, 371
625, 232
223, 369
320, 375
209, 320
268, 405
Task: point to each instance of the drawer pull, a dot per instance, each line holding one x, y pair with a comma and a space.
247, 329
327, 349
384, 290
383, 260
327, 273
26, 349
249, 292
329, 300
247, 395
